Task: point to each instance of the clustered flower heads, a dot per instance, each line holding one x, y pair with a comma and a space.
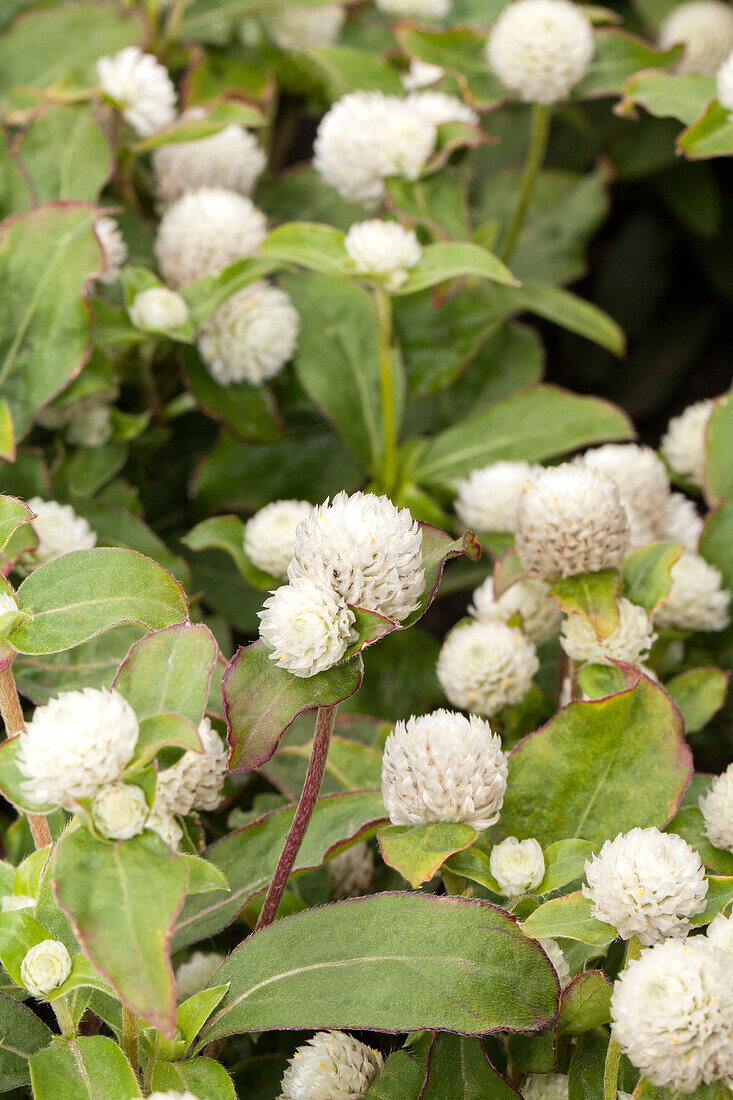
158, 309
443, 767
269, 537
724, 83
642, 482
717, 808
570, 520
684, 443
416, 9
331, 1066
297, 27
140, 87
307, 625
59, 531
696, 600
195, 781
194, 974
488, 498
705, 29
646, 884
114, 249
541, 48
232, 159
630, 641
383, 249
528, 599
483, 667
517, 865
45, 967
251, 336
119, 811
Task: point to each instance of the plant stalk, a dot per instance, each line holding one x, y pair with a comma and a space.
131, 1038
325, 720
538, 135
386, 381
12, 715
613, 1054
63, 1016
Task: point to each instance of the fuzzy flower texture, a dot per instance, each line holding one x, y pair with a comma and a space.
383, 250
140, 87
331, 1066
485, 666
232, 159
251, 336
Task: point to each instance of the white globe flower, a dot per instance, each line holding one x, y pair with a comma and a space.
517, 865
367, 137
167, 828
554, 952
114, 249
483, 667
251, 337
541, 48
717, 808
194, 974
59, 531
642, 482
351, 873
631, 641
119, 811
307, 626
45, 967
720, 933
158, 309
295, 27
383, 249
269, 537
488, 498
646, 884
140, 88
421, 74
529, 599
684, 443
331, 1066
195, 781
705, 29
204, 231
672, 1010
443, 767
416, 9
696, 600
366, 549
679, 520
90, 426
232, 159
15, 903
724, 83
75, 744
570, 520
440, 108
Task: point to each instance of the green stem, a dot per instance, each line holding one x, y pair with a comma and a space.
148, 1076
131, 1038
538, 135
613, 1054
386, 381
63, 1016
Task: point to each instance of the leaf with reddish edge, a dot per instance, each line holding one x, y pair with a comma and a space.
593, 597
458, 1069
508, 571
169, 671
585, 1003
646, 573
13, 514
690, 825
419, 851
227, 533
437, 548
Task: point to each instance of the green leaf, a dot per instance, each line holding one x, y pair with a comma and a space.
473, 864
194, 1011
593, 597
227, 533
338, 70
351, 765
207, 294
7, 432
86, 592
200, 1077
619, 56
13, 514
438, 548
450, 260
716, 541
217, 118
719, 458
461, 52
22, 1034
585, 1003
571, 778
316, 247
91, 664
159, 731
710, 136
690, 825
401, 1079
669, 95
169, 671
458, 1069
646, 573
248, 412
419, 851
569, 918
719, 897
88, 1067
127, 942
699, 693
587, 1065
567, 310
391, 962
564, 862
19, 932
65, 154
116, 526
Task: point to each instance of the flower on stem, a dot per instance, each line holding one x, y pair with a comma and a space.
251, 336
383, 250
630, 641
269, 537
59, 531
139, 86
684, 442
231, 159
488, 498
331, 1066
705, 29
45, 967
696, 599
119, 811
679, 520
528, 598
158, 309
296, 27
483, 667
517, 865
307, 625
717, 808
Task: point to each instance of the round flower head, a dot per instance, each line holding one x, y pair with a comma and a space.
167, 828
15, 903
195, 781
140, 88
684, 442
366, 549
554, 953
251, 337
440, 108
416, 9
705, 29
570, 520
696, 600
717, 808
488, 498
75, 744
114, 249
90, 426
672, 1010
383, 249
421, 74
331, 1066
307, 626
517, 865
45, 967
269, 537
541, 49
483, 667
204, 231
193, 975
720, 933
631, 640
158, 309
351, 873
119, 811
232, 159
59, 531
646, 884
443, 767
294, 27
368, 136
641, 480
679, 521
538, 611
724, 83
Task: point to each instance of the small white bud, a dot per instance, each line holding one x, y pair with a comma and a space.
554, 952
90, 426
119, 811
351, 873
630, 641
45, 967
194, 974
114, 249
685, 441
296, 27
158, 309
517, 865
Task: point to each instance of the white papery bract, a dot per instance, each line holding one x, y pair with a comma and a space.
76, 743
421, 74
717, 808
705, 29
541, 48
443, 767
119, 811
331, 1066
351, 873
269, 537
441, 108
570, 520
672, 1012
365, 549
646, 884
631, 641
555, 954
59, 531
720, 933
679, 520
295, 27
517, 865
483, 667
114, 249
488, 498
368, 136
158, 309
232, 159
194, 974
204, 231
251, 337
642, 482
529, 599
195, 781
696, 600
382, 249
307, 626
416, 9
724, 83
683, 445
45, 967
140, 88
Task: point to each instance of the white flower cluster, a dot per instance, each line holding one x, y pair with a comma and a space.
297, 27
696, 600
232, 159
59, 531
195, 973
717, 808
705, 29
251, 336
416, 9
89, 426
114, 249
443, 767
384, 250
528, 599
331, 1066
720, 933
269, 537
517, 865
308, 626
140, 88
351, 872
195, 781
158, 309
684, 443
484, 666
724, 83
630, 641
488, 498
45, 967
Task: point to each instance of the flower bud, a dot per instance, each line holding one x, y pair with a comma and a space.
119, 811
158, 309
45, 967
517, 865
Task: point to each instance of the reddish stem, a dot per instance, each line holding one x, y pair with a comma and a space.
12, 715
